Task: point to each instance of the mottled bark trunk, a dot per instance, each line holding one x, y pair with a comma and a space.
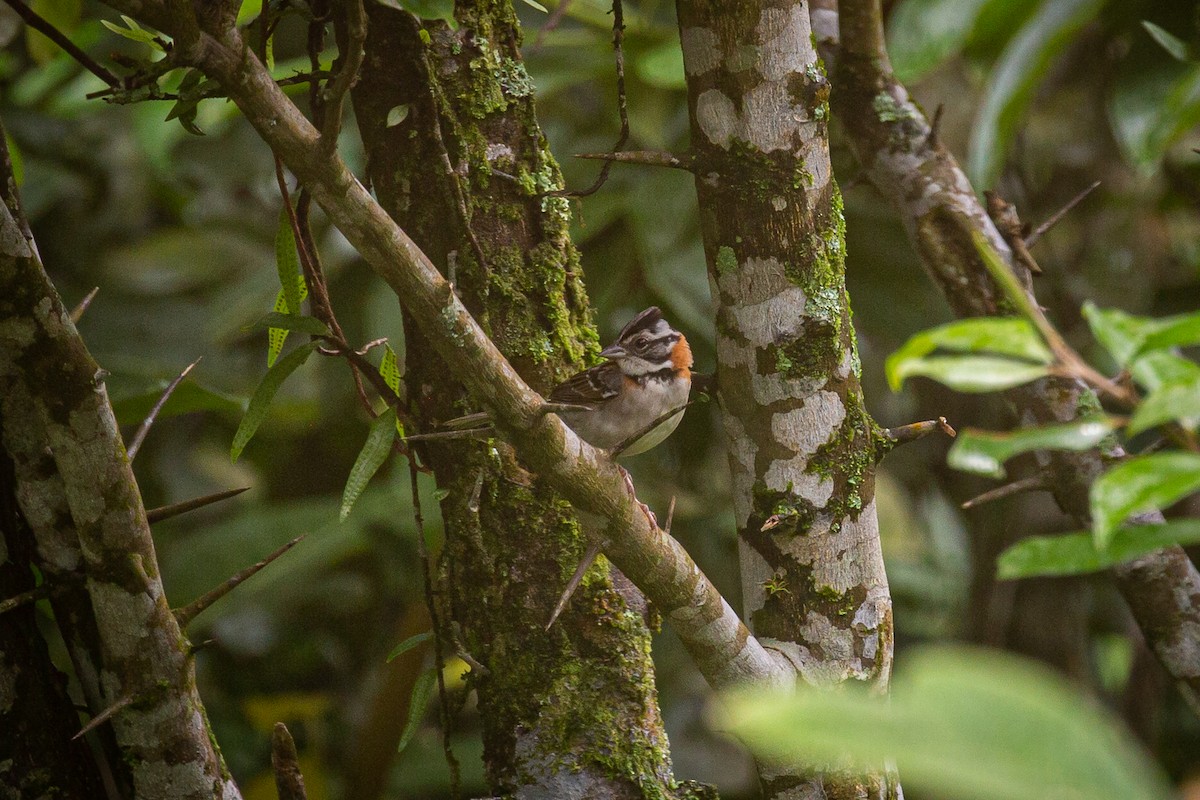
802, 447
941, 213
76, 489
573, 711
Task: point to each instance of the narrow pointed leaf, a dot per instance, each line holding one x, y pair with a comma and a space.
277, 336
256, 412
409, 644
422, 690
1076, 553
1168, 41
985, 453
1006, 336
390, 371
1146, 483
298, 323
1177, 401
287, 262
968, 373
370, 458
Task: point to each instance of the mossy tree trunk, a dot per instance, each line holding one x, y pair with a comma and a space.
802, 447
573, 711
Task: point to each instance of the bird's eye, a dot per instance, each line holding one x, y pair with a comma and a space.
641, 342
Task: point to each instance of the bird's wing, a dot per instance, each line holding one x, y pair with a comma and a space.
590, 387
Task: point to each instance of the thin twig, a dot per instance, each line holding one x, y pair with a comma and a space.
154, 515
59, 38
463, 434
552, 22
619, 53
337, 89
196, 607
650, 158
124, 96
24, 598
589, 558
105, 715
1040, 231
285, 763
1004, 216
1033, 483
662, 418
439, 633
78, 311
140, 436
918, 430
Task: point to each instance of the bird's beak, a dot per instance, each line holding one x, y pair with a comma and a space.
613, 351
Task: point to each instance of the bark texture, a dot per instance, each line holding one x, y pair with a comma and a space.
802, 447
76, 489
941, 212
572, 711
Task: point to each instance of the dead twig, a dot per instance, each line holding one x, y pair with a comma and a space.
140, 436
589, 557
1031, 484
285, 762
1008, 223
196, 607
1040, 231
650, 158
154, 515
347, 74
24, 598
41, 25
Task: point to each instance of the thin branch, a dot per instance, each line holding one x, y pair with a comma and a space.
622, 108
649, 158
336, 90
125, 95
105, 716
285, 762
78, 311
140, 436
200, 604
24, 598
552, 22
1033, 483
154, 515
1041, 230
59, 38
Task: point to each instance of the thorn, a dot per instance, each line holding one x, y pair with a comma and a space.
289, 782
932, 139
189, 612
154, 515
105, 715
554, 408
24, 598
77, 312
463, 434
670, 516
1032, 238
649, 158
588, 558
1031, 484
1008, 223
140, 436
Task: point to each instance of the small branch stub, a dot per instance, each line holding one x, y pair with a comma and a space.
289, 782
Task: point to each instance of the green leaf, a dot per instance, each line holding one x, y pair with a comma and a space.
422, 690
1144, 483
390, 372
1168, 41
922, 34
537, 5
1158, 368
287, 262
425, 9
1076, 553
1151, 107
277, 336
1177, 401
1178, 331
1021, 67
397, 114
959, 723
298, 323
1119, 333
1008, 336
409, 644
969, 373
370, 458
133, 31
985, 453
256, 412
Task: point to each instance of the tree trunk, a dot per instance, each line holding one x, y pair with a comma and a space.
573, 711
802, 447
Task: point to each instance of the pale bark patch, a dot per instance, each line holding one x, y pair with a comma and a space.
786, 45
805, 429
701, 51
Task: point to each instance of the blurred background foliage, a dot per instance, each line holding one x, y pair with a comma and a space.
1039, 98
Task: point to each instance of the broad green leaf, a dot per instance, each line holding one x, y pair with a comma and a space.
397, 114
1020, 69
1178, 331
1119, 333
422, 690
959, 723
969, 373
297, 323
256, 412
1144, 483
370, 458
287, 262
277, 336
1168, 41
985, 453
425, 9
1151, 108
1008, 336
1158, 368
1177, 401
1076, 553
409, 644
921, 34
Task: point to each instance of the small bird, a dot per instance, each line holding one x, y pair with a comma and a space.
647, 374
